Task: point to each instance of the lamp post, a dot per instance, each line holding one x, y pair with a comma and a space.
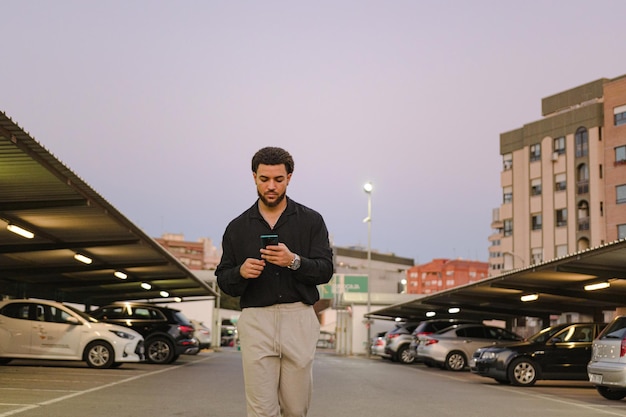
368, 190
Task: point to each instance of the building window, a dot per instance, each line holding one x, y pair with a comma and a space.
536, 255
508, 227
620, 191
536, 221
561, 250
535, 186
507, 195
619, 115
620, 155
507, 161
559, 145
561, 217
621, 231
560, 182
535, 152
583, 216
582, 142
582, 179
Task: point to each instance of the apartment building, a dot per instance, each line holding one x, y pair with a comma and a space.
441, 274
563, 178
198, 255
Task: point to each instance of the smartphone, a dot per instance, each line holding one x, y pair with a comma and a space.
269, 240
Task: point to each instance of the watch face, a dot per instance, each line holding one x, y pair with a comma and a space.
295, 264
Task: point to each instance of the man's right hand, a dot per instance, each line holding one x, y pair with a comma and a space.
252, 268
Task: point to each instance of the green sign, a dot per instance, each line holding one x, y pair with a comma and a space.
341, 283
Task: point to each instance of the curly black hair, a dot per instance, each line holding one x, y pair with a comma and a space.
271, 155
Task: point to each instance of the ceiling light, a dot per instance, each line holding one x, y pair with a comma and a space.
82, 258
120, 275
453, 310
430, 314
597, 286
164, 294
19, 231
529, 297
145, 286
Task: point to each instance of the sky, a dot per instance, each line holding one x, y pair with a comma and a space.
160, 105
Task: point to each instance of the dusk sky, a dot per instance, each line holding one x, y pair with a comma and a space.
160, 105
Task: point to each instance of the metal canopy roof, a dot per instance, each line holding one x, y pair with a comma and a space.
559, 284
40, 194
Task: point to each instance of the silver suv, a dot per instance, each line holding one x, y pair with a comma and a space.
401, 342
397, 342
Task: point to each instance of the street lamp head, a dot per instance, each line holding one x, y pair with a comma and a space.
368, 187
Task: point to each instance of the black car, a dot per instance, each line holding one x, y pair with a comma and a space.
167, 332
560, 352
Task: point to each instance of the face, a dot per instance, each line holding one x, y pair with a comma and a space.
271, 183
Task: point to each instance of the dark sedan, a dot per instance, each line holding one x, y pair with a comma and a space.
559, 352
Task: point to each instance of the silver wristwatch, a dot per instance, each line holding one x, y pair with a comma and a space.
295, 264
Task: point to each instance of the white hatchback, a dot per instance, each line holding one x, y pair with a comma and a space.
40, 329
607, 368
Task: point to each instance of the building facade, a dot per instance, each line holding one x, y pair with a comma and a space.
442, 274
386, 270
563, 178
199, 255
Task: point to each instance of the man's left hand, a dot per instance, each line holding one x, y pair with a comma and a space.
277, 254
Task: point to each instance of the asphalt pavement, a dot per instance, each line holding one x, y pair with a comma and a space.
210, 384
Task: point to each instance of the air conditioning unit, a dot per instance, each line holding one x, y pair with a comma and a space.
555, 156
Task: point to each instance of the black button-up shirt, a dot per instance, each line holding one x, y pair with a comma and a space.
303, 231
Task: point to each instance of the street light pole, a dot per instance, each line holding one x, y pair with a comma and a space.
368, 190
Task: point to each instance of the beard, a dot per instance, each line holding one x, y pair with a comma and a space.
274, 203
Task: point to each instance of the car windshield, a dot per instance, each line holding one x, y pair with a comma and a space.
616, 330
81, 313
181, 318
545, 334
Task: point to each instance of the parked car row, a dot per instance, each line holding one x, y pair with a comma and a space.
571, 351
105, 338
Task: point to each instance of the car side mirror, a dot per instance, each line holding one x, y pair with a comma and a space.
72, 320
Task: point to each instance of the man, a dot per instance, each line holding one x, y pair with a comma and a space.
278, 328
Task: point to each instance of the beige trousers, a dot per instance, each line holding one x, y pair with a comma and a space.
277, 348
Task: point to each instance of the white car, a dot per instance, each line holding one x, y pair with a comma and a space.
607, 368
452, 347
202, 333
39, 329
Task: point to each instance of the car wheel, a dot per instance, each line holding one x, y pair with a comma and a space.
99, 354
523, 372
455, 361
160, 350
611, 394
405, 355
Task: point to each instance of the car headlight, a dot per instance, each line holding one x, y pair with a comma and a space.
488, 355
122, 334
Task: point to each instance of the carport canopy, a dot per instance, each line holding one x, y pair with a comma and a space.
559, 285
66, 216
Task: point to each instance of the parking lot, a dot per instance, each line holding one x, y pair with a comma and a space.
210, 384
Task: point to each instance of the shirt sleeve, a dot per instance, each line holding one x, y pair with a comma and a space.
317, 267
229, 279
